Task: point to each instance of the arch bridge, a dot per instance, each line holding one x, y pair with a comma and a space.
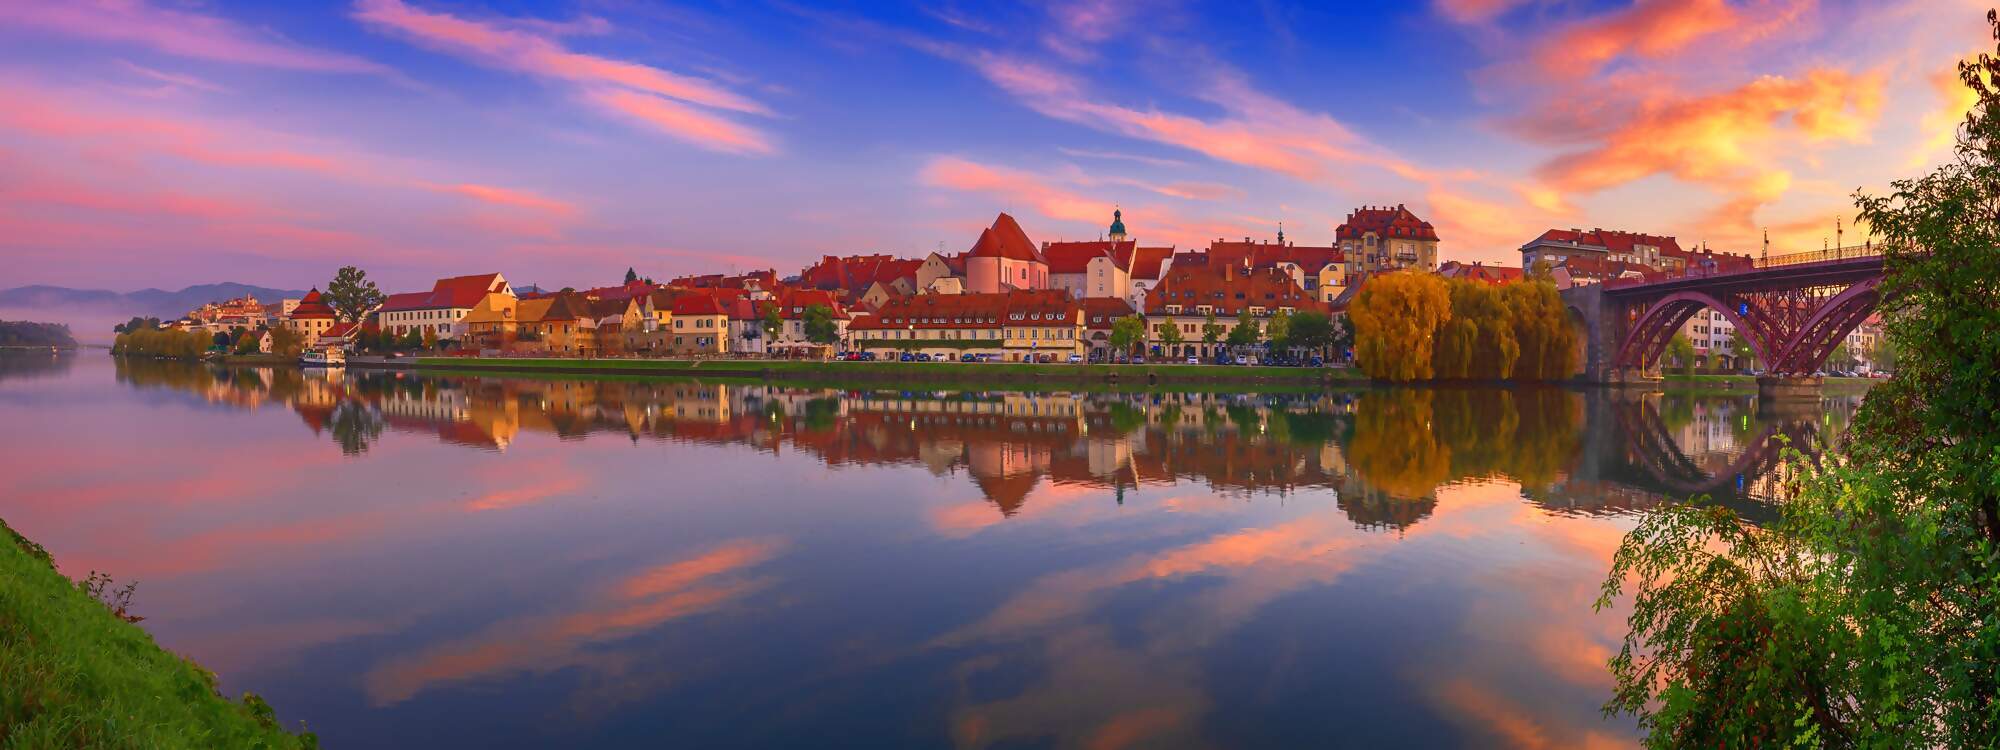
1792, 311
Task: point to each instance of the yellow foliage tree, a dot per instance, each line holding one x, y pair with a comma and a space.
1478, 341
1541, 326
1396, 317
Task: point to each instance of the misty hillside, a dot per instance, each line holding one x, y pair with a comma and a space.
145, 302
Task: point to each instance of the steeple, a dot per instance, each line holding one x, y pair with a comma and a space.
1281, 233
1117, 225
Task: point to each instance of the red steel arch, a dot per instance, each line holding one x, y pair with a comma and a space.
1649, 335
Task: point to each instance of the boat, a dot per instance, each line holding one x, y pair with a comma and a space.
328, 357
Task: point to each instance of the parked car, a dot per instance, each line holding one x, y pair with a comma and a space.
908, 357
1194, 360
1318, 362
1076, 359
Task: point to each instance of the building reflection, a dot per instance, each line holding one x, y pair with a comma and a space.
1382, 453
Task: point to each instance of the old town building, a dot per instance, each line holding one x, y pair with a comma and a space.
1377, 239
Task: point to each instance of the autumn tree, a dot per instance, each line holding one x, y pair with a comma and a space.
1396, 317
1478, 341
1542, 330
352, 295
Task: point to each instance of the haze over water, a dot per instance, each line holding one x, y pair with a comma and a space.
497, 562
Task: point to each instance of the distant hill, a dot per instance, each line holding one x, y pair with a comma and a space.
158, 303
90, 313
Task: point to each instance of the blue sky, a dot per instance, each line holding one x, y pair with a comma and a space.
171, 141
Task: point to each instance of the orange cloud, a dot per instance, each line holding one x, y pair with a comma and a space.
1719, 139
1941, 124
1654, 29
541, 643
645, 93
175, 32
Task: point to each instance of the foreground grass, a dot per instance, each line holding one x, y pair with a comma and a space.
968, 370
73, 675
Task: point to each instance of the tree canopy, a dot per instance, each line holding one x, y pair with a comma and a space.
1396, 316
352, 295
1864, 617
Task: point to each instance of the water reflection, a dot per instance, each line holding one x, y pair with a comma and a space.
1386, 451
493, 561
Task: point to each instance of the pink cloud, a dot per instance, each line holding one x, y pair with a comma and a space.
682, 122
1653, 29
1476, 11
646, 94
509, 198
176, 32
959, 174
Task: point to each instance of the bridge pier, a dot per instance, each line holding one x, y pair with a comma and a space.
1635, 378
1788, 388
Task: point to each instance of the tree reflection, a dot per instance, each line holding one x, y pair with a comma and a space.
354, 426
1395, 448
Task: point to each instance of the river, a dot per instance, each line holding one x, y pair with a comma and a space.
493, 562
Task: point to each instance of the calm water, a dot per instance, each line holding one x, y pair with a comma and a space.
493, 562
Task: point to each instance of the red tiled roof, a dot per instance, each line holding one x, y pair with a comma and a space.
1005, 240
1385, 222
1075, 257
1479, 272
696, 304
406, 301
1040, 307
1228, 290
1267, 255
1101, 312
457, 292
1146, 261
312, 307
1610, 240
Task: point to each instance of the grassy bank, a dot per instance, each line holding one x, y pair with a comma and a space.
74, 675
962, 371
1671, 380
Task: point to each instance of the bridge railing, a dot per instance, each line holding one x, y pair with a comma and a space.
1820, 256
1775, 261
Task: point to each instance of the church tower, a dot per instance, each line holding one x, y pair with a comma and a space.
1117, 225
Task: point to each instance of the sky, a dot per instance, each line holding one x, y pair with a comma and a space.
162, 143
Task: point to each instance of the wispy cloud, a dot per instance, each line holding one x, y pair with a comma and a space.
657, 98
184, 33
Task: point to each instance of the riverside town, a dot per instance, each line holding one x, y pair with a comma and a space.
1064, 374
1268, 302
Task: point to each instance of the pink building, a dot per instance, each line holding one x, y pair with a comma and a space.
1004, 258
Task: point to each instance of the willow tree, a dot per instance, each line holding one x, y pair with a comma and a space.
1478, 341
1396, 315
1541, 326
1866, 615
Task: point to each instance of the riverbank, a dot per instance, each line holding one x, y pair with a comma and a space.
920, 372
1733, 382
76, 675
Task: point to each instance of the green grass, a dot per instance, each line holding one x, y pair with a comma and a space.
969, 370
73, 675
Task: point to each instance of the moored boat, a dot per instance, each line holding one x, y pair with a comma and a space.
328, 357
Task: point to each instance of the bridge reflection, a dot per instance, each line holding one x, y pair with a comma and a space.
1380, 454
